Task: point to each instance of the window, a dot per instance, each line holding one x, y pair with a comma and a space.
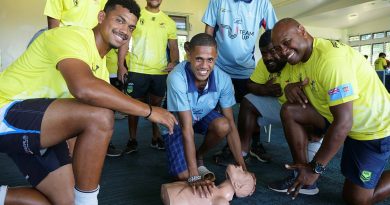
181, 22
365, 37
181, 39
379, 35
366, 50
371, 44
183, 28
354, 38
376, 49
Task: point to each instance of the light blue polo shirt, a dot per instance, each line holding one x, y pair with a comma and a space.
237, 25
183, 95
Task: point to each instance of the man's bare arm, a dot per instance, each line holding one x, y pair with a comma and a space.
173, 54
337, 132
185, 119
209, 30
88, 89
122, 70
233, 138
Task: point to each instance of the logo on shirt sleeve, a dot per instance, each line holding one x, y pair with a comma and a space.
340, 92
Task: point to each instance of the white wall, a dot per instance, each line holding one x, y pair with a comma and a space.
19, 20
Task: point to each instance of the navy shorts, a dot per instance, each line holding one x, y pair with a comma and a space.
174, 143
20, 139
363, 162
139, 85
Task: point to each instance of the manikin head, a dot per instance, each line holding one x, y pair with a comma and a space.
244, 183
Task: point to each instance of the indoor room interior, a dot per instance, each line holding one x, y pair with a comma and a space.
136, 178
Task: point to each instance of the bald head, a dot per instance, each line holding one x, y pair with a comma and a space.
291, 41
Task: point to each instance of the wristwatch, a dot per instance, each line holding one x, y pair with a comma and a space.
317, 167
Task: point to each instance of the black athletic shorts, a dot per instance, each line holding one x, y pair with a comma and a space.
20, 130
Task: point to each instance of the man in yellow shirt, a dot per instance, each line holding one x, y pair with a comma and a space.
82, 13
351, 98
149, 65
59, 89
381, 62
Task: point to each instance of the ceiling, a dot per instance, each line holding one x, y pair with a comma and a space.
339, 14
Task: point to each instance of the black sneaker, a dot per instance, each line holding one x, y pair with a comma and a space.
112, 151
259, 153
285, 184
131, 147
158, 144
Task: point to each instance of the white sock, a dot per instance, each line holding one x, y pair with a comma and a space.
312, 149
86, 197
244, 153
3, 193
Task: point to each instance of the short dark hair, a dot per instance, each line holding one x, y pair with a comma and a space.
265, 38
131, 5
382, 55
202, 39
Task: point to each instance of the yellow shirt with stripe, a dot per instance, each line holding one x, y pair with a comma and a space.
261, 75
380, 63
150, 40
339, 74
34, 73
82, 13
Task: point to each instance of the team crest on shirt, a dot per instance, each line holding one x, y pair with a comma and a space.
76, 2
340, 92
162, 25
141, 21
95, 68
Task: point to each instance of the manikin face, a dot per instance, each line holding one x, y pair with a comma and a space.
289, 42
244, 183
117, 26
202, 59
271, 59
153, 3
